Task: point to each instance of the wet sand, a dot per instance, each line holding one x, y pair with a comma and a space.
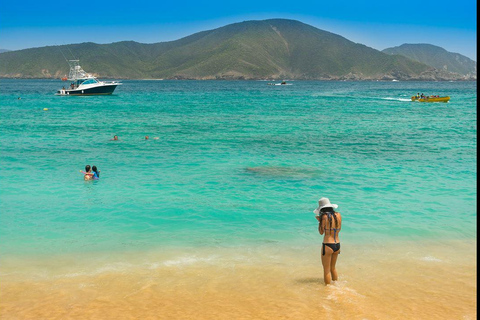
433, 281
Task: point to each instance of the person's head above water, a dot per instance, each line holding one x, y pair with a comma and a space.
87, 168
324, 203
94, 168
115, 137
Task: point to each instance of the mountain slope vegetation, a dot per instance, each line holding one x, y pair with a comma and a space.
266, 49
436, 57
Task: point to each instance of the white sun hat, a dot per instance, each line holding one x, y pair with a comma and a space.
324, 203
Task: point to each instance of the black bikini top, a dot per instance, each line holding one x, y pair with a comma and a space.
329, 216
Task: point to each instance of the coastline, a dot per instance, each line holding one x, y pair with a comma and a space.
353, 79
264, 282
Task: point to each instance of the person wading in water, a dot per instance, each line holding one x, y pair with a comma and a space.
329, 225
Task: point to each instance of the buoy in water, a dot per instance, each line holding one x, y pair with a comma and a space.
45, 109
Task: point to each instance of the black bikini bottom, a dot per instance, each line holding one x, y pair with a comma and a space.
334, 246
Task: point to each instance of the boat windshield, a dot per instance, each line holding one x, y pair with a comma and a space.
89, 81
85, 81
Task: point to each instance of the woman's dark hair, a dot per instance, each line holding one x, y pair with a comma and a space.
94, 168
329, 211
87, 168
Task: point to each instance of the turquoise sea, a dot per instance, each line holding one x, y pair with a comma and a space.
236, 164
211, 217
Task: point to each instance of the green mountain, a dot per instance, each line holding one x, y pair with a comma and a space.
436, 57
267, 49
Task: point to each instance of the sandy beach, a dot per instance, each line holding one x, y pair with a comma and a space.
380, 282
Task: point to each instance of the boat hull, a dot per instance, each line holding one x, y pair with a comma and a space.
99, 90
427, 99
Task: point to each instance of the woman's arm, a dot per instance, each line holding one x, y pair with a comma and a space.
322, 222
319, 224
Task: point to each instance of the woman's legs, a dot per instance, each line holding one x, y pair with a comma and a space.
333, 262
327, 253
329, 260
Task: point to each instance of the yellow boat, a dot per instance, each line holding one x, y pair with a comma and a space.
430, 99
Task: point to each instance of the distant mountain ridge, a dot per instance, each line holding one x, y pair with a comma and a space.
266, 49
4, 50
436, 57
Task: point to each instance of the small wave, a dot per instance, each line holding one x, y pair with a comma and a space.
114, 267
186, 261
339, 289
430, 258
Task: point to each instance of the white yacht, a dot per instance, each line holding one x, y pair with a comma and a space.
82, 83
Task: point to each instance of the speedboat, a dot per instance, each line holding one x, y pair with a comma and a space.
430, 99
283, 83
83, 84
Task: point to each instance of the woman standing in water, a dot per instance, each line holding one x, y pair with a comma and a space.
329, 225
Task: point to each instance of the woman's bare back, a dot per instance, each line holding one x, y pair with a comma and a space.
331, 229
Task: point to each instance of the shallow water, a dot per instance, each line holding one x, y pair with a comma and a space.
237, 168
431, 281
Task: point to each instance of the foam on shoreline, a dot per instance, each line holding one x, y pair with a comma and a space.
258, 283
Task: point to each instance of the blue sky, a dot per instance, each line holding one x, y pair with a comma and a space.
378, 24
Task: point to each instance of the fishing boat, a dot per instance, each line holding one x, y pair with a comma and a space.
430, 99
83, 84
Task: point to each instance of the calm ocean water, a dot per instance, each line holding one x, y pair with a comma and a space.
236, 163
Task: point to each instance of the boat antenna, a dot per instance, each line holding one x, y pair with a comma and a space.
62, 54
71, 53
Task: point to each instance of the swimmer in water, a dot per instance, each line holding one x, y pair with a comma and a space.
96, 173
87, 174
114, 138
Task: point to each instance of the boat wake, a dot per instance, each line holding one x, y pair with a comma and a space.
397, 99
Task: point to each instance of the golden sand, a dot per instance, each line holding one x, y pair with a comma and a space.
434, 281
